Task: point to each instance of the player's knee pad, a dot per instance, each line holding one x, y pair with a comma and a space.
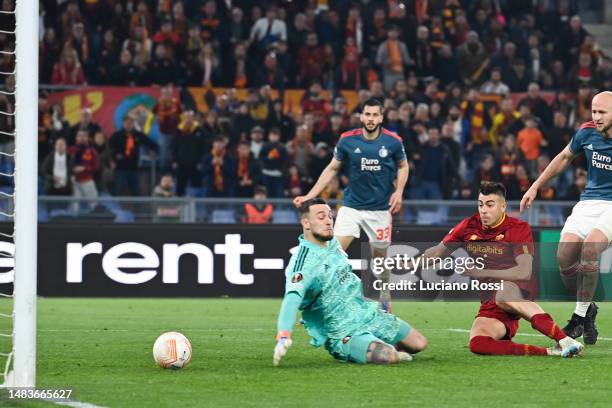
481, 344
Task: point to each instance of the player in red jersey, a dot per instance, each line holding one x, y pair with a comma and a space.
505, 246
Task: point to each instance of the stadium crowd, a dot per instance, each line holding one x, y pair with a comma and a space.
445, 69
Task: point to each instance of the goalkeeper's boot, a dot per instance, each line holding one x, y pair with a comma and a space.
556, 350
570, 347
590, 329
574, 327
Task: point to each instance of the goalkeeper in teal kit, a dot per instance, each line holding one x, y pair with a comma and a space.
321, 284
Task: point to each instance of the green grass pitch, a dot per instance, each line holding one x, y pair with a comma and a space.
101, 348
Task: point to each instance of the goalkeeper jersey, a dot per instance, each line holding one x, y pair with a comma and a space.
332, 301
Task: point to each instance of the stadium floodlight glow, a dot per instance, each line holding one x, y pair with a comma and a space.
25, 198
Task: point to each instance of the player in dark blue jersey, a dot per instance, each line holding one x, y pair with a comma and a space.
377, 172
588, 230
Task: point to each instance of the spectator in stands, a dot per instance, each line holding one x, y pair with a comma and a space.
530, 140
295, 183
219, 170
310, 56
257, 141
161, 70
350, 72
49, 48
267, 31
248, 171
106, 173
141, 17
473, 58
106, 58
509, 157
168, 37
165, 212
139, 46
487, 170
78, 41
423, 55
537, 104
454, 147
495, 85
85, 123
445, 66
86, 164
274, 157
300, 150
559, 135
125, 146
279, 119
167, 111
56, 170
165, 188
237, 29
580, 180
392, 58
68, 70
126, 73
259, 211
434, 167
503, 121
188, 149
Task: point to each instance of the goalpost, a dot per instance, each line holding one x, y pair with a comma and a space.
25, 195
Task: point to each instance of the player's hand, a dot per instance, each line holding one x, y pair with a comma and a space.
299, 200
395, 202
283, 342
528, 198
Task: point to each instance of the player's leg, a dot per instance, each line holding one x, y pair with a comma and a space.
569, 255
594, 245
568, 258
413, 342
378, 227
487, 337
511, 301
365, 348
346, 227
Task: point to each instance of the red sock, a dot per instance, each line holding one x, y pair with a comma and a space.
490, 346
544, 324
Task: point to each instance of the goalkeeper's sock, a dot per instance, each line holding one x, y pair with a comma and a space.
489, 346
543, 323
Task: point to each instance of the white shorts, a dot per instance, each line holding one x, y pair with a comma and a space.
376, 224
588, 215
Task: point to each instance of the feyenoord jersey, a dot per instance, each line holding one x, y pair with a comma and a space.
372, 167
598, 151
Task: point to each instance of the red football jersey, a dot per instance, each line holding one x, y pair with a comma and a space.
498, 245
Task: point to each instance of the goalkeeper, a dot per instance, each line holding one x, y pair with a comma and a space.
320, 283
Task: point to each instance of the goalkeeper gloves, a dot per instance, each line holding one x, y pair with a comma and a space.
283, 342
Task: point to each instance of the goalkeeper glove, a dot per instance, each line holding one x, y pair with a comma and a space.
283, 342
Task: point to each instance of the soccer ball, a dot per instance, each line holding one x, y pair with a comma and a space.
172, 350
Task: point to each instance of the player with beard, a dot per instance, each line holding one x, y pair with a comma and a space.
587, 232
377, 172
320, 283
504, 245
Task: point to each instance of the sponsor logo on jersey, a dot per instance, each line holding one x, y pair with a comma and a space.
383, 152
499, 237
601, 161
296, 278
357, 150
370, 164
473, 237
